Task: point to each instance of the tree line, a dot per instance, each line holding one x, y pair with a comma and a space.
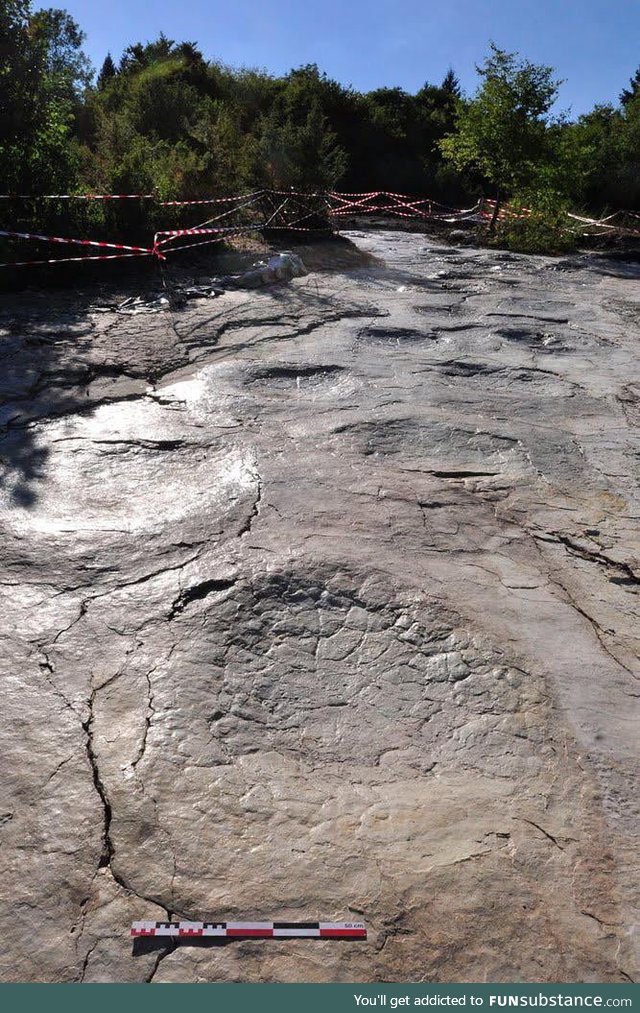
164, 119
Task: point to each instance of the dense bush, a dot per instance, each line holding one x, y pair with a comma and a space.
537, 222
164, 120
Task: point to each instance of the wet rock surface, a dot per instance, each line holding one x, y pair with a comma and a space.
321, 601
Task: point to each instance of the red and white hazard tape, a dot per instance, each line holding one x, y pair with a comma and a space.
170, 234
75, 242
287, 210
252, 930
208, 200
71, 260
131, 251
387, 202
77, 196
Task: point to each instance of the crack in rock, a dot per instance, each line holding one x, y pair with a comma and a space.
108, 855
627, 578
290, 608
196, 592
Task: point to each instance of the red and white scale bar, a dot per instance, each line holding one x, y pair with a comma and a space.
252, 930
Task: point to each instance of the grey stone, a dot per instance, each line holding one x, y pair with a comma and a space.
320, 601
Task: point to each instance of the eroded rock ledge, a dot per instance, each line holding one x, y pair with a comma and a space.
322, 600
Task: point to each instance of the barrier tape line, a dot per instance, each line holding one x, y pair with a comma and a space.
129, 251
339, 195
77, 196
284, 210
75, 242
246, 202
192, 246
232, 231
208, 200
251, 930
73, 260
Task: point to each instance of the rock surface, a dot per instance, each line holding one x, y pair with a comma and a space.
320, 601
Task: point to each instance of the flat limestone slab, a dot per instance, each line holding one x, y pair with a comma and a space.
320, 603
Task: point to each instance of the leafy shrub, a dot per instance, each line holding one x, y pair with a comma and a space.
537, 222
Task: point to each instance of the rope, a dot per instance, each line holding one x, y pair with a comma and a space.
284, 210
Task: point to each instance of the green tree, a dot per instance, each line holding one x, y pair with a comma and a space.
594, 152
503, 131
43, 73
628, 175
604, 156
60, 39
140, 55
107, 73
167, 120
302, 153
21, 67
451, 84
628, 94
437, 109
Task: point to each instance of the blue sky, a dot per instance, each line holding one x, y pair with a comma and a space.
593, 44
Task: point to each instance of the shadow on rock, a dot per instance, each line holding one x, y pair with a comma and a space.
62, 358
153, 944
45, 343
